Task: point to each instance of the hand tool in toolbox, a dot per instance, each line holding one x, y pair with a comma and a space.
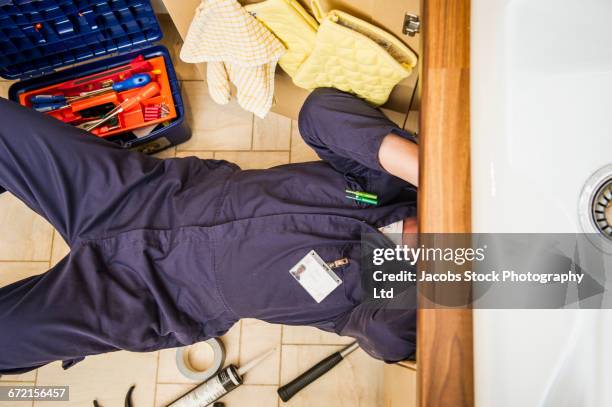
77, 105
153, 108
70, 60
149, 91
154, 112
94, 101
111, 124
138, 65
46, 103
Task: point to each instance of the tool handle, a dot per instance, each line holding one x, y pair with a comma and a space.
44, 99
289, 390
136, 81
149, 91
49, 107
139, 64
94, 101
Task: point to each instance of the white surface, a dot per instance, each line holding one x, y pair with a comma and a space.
541, 125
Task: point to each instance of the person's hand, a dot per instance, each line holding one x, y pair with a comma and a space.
410, 232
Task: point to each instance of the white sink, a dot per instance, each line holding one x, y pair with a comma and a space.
541, 126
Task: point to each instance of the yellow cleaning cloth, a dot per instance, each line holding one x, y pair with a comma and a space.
238, 48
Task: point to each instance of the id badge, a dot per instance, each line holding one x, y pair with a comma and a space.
315, 276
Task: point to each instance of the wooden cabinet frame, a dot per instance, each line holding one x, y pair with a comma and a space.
445, 354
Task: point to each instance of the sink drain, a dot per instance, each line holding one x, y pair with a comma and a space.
595, 204
601, 209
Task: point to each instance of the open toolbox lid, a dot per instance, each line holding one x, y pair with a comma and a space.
39, 36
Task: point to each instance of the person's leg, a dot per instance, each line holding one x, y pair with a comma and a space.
97, 300
358, 140
55, 316
65, 174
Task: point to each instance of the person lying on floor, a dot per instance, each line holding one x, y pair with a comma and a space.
166, 253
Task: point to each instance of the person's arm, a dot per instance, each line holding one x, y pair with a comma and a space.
385, 329
400, 157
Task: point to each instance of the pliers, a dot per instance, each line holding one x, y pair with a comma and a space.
128, 398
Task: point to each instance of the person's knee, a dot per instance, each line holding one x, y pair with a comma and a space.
315, 108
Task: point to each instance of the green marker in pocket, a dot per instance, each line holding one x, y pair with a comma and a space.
362, 194
363, 199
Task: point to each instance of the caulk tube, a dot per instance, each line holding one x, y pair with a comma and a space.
218, 386
211, 390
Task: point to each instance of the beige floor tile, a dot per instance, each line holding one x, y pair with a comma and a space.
104, 377
215, 127
4, 87
25, 379
300, 151
248, 160
25, 235
400, 386
15, 271
272, 133
204, 155
169, 373
257, 338
60, 248
259, 396
245, 395
16, 403
167, 393
355, 382
172, 40
298, 335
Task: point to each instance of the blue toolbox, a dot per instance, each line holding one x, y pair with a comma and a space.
93, 64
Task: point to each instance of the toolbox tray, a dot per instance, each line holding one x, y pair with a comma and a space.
38, 37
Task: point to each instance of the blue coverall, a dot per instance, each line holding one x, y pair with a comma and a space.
166, 253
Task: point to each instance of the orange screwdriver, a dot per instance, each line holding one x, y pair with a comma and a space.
94, 101
149, 91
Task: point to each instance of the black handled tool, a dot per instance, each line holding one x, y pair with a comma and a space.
292, 388
128, 398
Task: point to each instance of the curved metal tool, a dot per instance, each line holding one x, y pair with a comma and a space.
128, 398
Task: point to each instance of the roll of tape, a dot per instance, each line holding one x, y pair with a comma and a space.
183, 365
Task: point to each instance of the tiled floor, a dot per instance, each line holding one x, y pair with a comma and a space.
30, 246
